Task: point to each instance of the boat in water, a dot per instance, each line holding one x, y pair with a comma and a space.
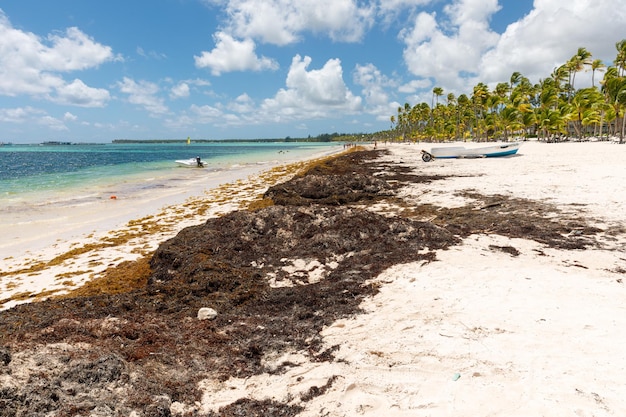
491, 151
191, 163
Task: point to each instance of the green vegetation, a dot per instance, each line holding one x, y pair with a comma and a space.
551, 109
324, 137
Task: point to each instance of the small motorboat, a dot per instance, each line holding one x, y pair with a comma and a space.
491, 151
191, 163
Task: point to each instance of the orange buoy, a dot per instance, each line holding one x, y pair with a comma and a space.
113, 197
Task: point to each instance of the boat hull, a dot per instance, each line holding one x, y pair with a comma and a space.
493, 151
190, 163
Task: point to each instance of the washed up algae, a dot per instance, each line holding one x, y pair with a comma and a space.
297, 259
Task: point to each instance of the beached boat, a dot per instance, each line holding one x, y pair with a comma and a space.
191, 163
491, 151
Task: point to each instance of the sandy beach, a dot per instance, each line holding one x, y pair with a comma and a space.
484, 333
500, 324
52, 249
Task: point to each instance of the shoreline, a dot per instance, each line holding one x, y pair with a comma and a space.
53, 250
520, 312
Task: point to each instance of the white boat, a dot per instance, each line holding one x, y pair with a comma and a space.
491, 151
191, 163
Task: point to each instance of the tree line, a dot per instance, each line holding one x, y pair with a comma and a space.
552, 108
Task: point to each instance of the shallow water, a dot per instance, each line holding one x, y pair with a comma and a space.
34, 175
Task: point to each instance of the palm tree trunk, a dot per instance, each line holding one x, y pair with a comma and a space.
621, 133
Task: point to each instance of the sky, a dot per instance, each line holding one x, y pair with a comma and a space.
94, 71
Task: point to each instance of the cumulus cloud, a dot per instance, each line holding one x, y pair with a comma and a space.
70, 117
415, 85
391, 9
230, 54
447, 49
309, 93
73, 51
314, 93
78, 94
181, 90
206, 113
375, 86
281, 22
242, 104
143, 94
19, 114
457, 48
33, 66
52, 123
551, 34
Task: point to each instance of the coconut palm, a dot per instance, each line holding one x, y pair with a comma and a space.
596, 65
479, 103
581, 104
549, 107
577, 63
620, 59
510, 120
614, 89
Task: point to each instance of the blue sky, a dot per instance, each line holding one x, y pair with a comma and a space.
94, 71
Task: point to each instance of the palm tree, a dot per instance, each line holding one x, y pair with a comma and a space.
550, 121
550, 107
559, 75
479, 101
596, 65
437, 92
615, 92
581, 103
620, 59
510, 120
577, 63
516, 78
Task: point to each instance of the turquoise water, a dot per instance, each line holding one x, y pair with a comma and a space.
53, 172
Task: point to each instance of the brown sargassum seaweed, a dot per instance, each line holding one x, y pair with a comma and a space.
143, 350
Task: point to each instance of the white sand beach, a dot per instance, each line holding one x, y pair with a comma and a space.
479, 333
475, 333
52, 249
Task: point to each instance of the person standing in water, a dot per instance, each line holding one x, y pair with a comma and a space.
199, 162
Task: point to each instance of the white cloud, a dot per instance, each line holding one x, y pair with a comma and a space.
281, 22
143, 94
31, 65
151, 54
52, 123
74, 51
19, 114
415, 85
230, 54
206, 114
242, 104
551, 34
374, 91
390, 9
70, 117
79, 94
311, 94
308, 94
448, 49
457, 49
181, 90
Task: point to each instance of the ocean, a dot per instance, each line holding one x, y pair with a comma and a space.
40, 175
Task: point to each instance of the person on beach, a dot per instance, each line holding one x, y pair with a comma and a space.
198, 161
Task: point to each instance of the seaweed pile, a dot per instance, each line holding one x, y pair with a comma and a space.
276, 276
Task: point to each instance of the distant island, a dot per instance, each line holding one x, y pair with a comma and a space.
326, 137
